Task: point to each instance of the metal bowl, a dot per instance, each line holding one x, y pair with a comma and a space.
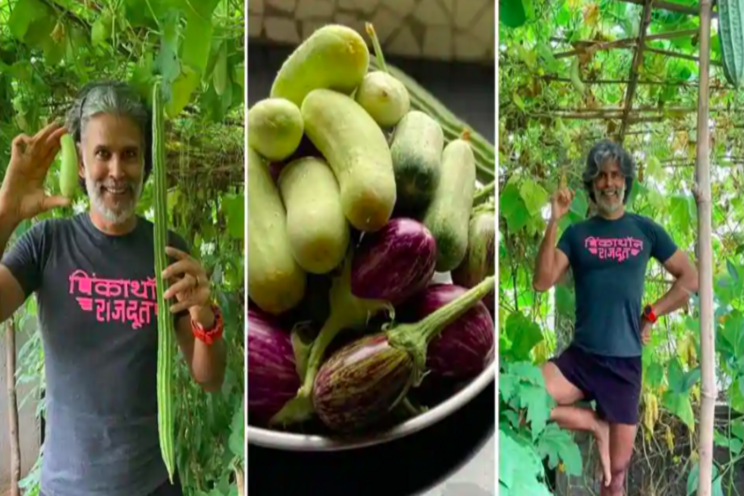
302, 442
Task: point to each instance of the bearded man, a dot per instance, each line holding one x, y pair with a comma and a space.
94, 278
608, 254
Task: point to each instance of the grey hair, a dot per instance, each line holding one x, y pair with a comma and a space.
111, 97
600, 154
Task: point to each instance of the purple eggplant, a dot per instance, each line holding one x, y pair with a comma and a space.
363, 381
272, 373
395, 262
358, 384
464, 348
387, 267
479, 260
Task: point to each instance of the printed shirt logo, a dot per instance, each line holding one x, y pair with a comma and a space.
619, 249
119, 300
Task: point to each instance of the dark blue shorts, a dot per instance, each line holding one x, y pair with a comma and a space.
613, 382
165, 489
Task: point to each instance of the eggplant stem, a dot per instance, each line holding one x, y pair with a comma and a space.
414, 338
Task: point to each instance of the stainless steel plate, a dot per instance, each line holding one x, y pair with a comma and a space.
302, 442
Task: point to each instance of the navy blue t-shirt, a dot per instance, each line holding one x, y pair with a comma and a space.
609, 259
97, 310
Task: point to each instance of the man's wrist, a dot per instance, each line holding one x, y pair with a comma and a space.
650, 314
9, 218
212, 332
203, 316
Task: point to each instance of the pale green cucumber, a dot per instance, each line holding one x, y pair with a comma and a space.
316, 226
356, 149
333, 57
276, 282
417, 157
384, 98
275, 128
448, 215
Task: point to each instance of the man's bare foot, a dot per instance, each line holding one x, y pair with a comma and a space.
602, 435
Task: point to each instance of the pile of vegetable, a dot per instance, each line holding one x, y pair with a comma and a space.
361, 188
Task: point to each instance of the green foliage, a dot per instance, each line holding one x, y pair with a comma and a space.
48, 50
547, 124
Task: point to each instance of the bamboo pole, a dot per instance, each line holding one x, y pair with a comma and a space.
705, 251
240, 481
10, 370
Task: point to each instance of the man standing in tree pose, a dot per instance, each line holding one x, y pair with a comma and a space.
608, 255
94, 277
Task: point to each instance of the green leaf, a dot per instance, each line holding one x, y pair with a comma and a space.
513, 13
654, 375
737, 428
197, 42
676, 375
537, 402
24, 14
508, 386
101, 29
734, 444
580, 203
557, 444
167, 61
732, 271
518, 101
183, 87
527, 371
534, 196
513, 208
682, 212
237, 432
519, 473
233, 207
524, 335
690, 379
736, 394
546, 54
679, 404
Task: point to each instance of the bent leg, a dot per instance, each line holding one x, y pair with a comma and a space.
622, 441
576, 418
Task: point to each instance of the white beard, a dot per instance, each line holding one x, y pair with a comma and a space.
122, 212
607, 207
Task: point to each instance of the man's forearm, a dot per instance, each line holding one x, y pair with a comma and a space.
545, 257
676, 298
8, 225
209, 362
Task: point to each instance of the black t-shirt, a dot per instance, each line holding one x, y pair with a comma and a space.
97, 314
609, 260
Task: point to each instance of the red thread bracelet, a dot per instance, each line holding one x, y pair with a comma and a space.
209, 336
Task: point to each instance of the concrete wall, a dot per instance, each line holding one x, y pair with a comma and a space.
27, 424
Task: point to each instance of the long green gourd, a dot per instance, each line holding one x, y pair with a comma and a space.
731, 38
166, 330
